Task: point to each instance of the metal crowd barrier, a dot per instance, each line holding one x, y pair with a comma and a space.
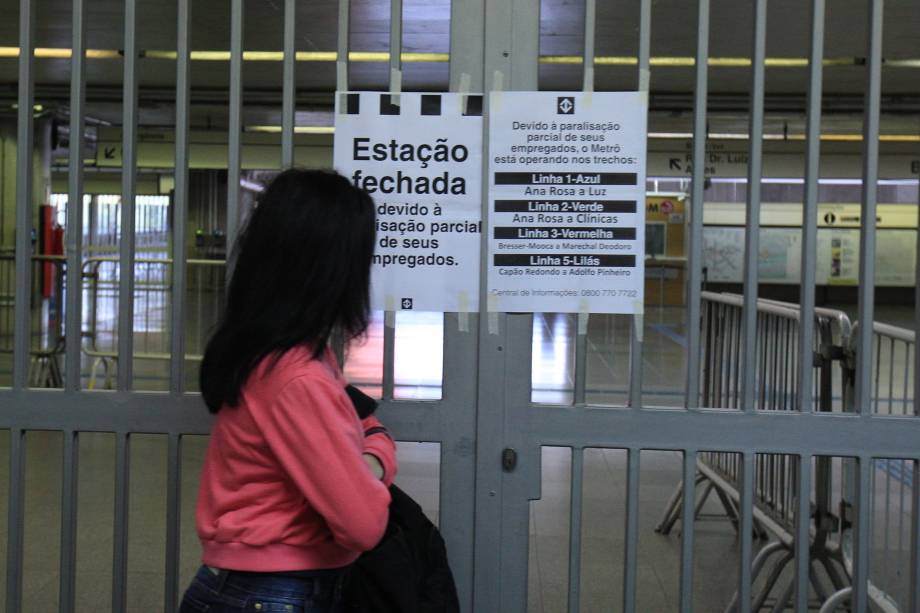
776, 481
46, 324
893, 479
99, 338
152, 287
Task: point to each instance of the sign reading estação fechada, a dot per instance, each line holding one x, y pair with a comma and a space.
420, 158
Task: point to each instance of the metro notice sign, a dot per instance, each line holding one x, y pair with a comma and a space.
567, 202
421, 162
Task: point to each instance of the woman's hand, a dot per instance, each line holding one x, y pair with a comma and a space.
374, 464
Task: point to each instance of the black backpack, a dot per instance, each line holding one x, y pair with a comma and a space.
407, 572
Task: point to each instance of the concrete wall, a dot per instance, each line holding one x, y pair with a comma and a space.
41, 177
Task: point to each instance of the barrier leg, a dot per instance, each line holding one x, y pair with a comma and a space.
780, 605
772, 579
816, 582
759, 560
729, 507
92, 374
836, 600
838, 580
759, 531
671, 511
707, 490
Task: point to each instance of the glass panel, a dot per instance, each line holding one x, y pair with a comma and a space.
553, 358
548, 566
420, 475
889, 560
419, 355
659, 549
147, 522
95, 518
4, 504
42, 529
193, 452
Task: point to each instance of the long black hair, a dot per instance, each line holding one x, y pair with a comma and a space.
302, 272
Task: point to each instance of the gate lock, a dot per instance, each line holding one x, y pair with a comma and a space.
509, 459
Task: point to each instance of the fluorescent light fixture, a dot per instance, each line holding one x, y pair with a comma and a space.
728, 136
799, 181
211, 56
384, 56
251, 185
264, 129
103, 54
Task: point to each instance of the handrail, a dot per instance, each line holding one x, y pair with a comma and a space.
902, 334
785, 309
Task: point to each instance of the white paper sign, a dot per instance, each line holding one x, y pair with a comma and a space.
421, 161
567, 202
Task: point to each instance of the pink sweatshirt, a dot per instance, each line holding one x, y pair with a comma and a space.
284, 485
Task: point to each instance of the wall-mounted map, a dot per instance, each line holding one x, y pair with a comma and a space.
837, 256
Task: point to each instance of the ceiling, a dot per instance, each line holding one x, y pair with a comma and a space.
426, 29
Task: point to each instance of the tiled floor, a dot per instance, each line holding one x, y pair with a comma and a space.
418, 374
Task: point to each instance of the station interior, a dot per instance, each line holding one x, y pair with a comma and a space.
419, 346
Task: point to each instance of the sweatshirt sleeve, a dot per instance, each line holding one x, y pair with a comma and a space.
315, 435
379, 443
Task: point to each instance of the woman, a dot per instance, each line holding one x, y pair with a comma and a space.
294, 485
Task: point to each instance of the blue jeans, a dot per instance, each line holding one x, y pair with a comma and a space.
317, 591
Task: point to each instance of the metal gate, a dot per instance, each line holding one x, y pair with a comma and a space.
489, 429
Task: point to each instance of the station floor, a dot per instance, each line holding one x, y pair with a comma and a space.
417, 376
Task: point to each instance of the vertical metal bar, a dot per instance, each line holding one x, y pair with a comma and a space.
74, 248
581, 357
16, 521
635, 345
235, 127
578, 457
869, 201
891, 368
695, 262
588, 62
69, 520
752, 232
120, 535
803, 532
734, 362
289, 85
862, 533
746, 530
341, 85
645, 44
914, 578
341, 75
395, 46
902, 486
457, 464
632, 532
389, 330
887, 512
22, 341
389, 353
688, 515
878, 363
180, 202
511, 52
907, 365
128, 184
173, 520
